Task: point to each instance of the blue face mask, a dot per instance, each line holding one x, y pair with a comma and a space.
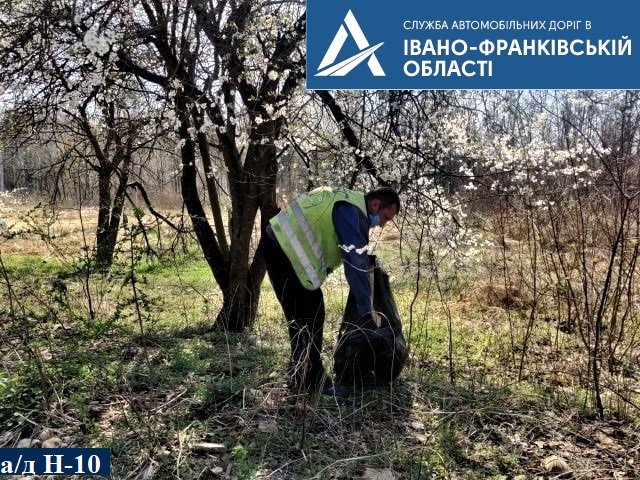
374, 220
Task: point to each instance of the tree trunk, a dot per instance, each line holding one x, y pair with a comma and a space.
240, 300
109, 214
104, 235
242, 294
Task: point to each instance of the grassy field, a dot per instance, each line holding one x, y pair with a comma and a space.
128, 360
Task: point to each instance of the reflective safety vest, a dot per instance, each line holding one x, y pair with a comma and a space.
307, 236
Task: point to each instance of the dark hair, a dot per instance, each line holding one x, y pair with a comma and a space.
387, 196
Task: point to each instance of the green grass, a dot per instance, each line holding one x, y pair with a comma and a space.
147, 377
22, 265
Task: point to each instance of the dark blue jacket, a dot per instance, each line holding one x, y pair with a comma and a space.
352, 228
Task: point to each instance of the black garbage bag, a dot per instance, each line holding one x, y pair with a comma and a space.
371, 357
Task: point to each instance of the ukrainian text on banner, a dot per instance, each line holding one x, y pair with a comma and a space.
408, 44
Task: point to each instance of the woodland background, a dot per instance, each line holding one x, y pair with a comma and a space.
143, 146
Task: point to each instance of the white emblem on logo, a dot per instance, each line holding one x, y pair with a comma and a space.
342, 68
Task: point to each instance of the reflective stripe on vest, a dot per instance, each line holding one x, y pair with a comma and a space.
297, 246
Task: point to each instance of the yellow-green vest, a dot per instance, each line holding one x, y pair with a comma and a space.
307, 236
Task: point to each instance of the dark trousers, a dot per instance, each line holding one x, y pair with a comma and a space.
304, 312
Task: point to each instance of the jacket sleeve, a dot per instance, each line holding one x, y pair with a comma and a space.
352, 229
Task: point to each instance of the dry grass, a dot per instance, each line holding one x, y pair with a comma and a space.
520, 405
37, 229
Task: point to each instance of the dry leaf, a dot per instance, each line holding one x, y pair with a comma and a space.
378, 474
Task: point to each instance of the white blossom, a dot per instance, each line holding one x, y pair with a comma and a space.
95, 43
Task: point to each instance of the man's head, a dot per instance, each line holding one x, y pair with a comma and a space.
383, 204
